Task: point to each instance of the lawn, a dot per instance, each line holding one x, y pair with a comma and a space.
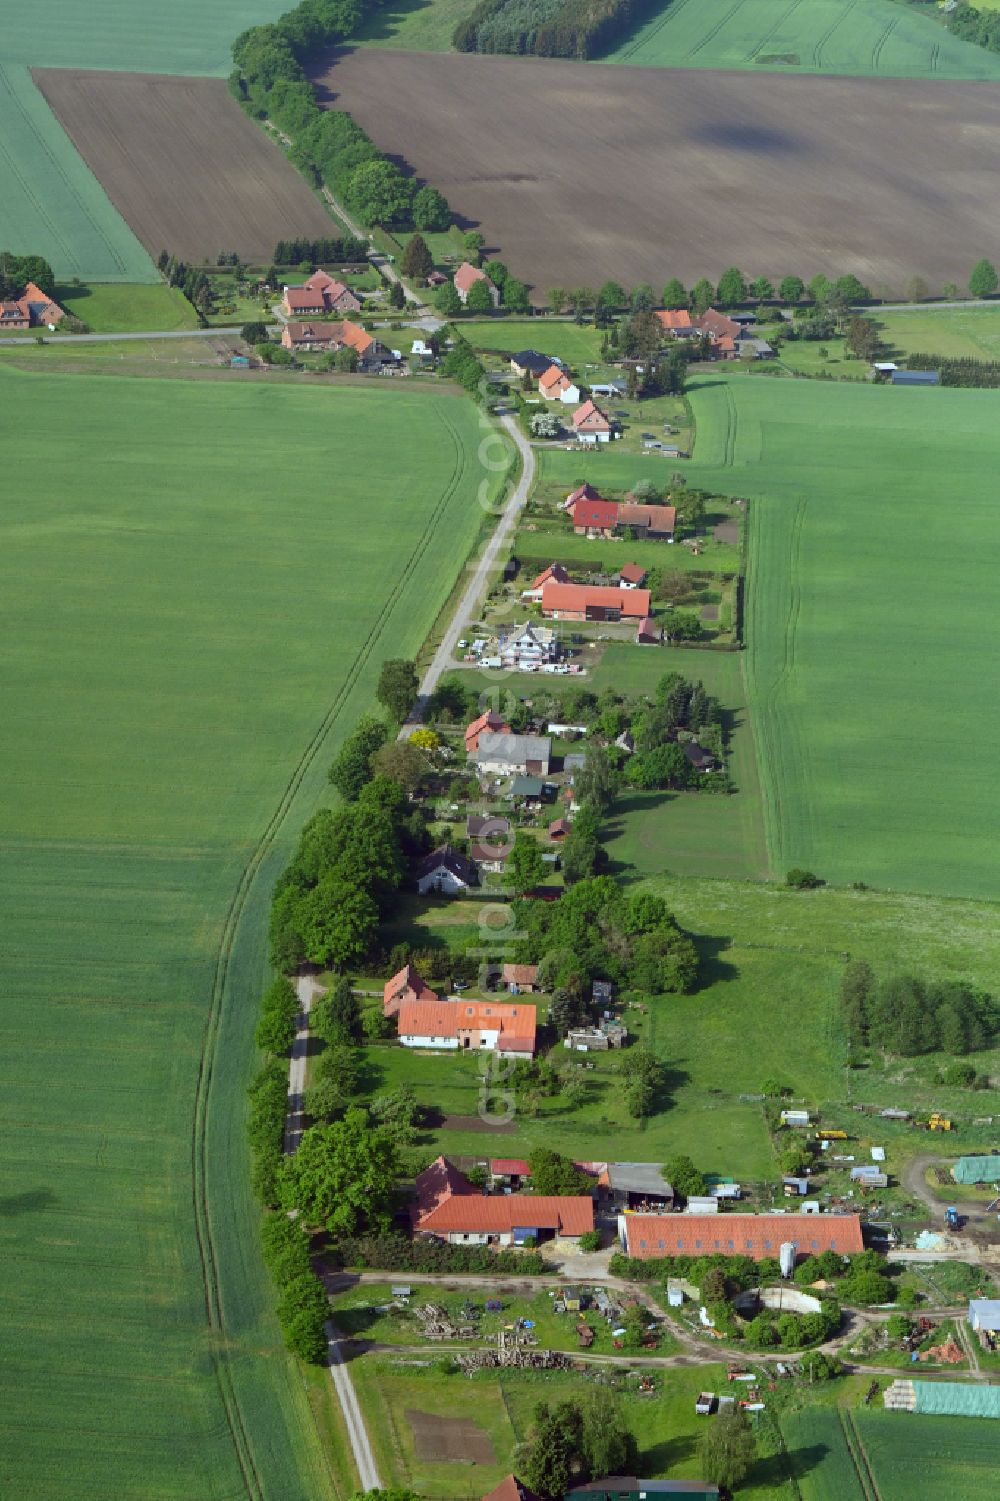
959, 331
188, 632
502, 1405
52, 204
124, 309
688, 833
865, 38
577, 344
874, 548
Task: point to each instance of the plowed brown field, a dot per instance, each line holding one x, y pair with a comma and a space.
184, 166
581, 173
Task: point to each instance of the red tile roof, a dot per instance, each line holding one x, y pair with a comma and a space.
756, 1235
499, 1214
554, 378
673, 319
656, 518
633, 603
448, 1018
467, 275
490, 722
303, 300
520, 974
507, 1165
559, 828
588, 512
714, 322
582, 492
555, 571
511, 1489
634, 572
405, 985
355, 337
649, 627
437, 1183
591, 417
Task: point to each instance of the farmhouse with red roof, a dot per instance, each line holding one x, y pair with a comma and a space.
555, 385
405, 985
592, 514
594, 602
465, 279
677, 321
320, 294
312, 336
473, 1026
447, 1205
489, 723
758, 1235
590, 424
555, 573
31, 310
632, 575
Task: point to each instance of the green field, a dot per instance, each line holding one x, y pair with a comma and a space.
52, 204
111, 309
861, 38
190, 622
837, 1454
874, 549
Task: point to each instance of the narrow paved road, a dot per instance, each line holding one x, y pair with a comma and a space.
156, 333
443, 658
308, 990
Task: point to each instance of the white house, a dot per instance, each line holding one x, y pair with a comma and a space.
469, 1026
502, 755
446, 871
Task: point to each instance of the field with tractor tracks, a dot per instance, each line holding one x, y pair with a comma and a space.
190, 625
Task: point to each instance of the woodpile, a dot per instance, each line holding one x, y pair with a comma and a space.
508, 1355
437, 1323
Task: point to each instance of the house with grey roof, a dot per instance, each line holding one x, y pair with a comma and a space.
506, 755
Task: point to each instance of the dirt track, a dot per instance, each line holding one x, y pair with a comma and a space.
183, 165
578, 173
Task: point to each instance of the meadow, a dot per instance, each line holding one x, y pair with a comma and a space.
577, 344
872, 555
959, 331
114, 309
865, 38
399, 1397
190, 625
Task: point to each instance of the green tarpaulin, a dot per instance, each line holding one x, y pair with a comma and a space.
977, 1169
957, 1399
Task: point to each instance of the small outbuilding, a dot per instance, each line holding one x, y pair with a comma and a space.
915, 377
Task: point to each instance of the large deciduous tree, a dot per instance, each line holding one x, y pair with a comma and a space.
343, 1175
397, 686
431, 209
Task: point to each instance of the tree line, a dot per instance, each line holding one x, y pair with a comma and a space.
332, 250
959, 370
579, 29
17, 270
907, 1015
270, 81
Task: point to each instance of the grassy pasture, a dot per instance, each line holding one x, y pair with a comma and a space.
502, 1404
865, 38
188, 628
873, 552
577, 344
124, 309
419, 25
51, 202
971, 331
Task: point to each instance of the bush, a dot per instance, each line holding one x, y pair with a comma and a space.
802, 880
396, 1253
590, 1240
